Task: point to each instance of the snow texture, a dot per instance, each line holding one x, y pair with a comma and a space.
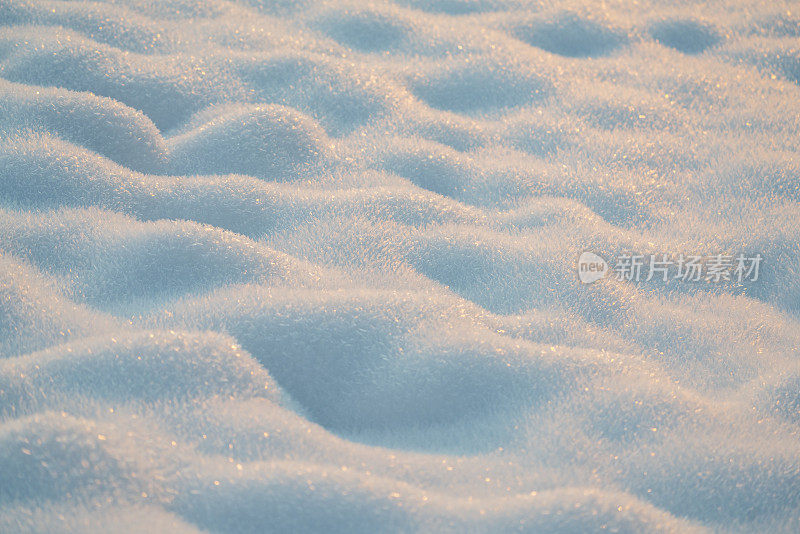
308, 266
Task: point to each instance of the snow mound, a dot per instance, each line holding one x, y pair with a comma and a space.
304, 266
264, 141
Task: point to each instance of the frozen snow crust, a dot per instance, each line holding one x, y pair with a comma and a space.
278, 266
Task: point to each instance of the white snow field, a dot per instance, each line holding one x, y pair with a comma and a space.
307, 266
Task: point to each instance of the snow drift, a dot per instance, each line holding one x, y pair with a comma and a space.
273, 266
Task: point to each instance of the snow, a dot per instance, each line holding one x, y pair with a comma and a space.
278, 266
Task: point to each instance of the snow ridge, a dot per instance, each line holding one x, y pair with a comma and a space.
309, 266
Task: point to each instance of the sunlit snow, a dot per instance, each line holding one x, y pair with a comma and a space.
307, 266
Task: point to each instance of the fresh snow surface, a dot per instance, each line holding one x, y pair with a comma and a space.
307, 266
